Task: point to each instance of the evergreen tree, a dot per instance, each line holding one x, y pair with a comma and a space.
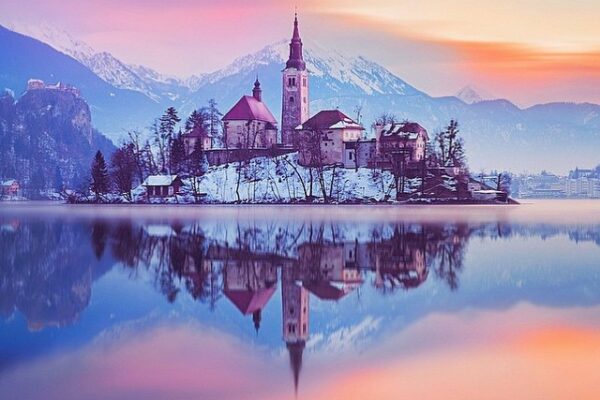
169, 121
198, 121
177, 155
164, 129
214, 119
100, 182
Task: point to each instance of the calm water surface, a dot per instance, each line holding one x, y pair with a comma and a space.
300, 302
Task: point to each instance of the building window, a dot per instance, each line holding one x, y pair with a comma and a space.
291, 328
291, 99
304, 82
291, 310
350, 155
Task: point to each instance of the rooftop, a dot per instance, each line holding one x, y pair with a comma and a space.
330, 119
412, 129
159, 180
250, 109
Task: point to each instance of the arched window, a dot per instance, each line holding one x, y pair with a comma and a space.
291, 99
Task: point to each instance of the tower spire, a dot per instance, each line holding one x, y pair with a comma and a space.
296, 59
257, 91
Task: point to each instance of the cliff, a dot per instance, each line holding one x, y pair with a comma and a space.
46, 136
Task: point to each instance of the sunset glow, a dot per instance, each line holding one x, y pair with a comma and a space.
526, 361
553, 47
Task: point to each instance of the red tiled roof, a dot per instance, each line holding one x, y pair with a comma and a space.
248, 301
248, 108
326, 291
326, 119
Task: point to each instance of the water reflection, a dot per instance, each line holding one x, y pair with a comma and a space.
322, 260
49, 266
327, 261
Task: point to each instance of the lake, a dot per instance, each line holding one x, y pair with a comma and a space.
306, 302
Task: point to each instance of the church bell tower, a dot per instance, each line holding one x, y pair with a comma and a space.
294, 105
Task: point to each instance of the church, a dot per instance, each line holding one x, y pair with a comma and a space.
249, 124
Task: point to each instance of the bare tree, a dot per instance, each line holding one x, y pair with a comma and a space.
397, 153
123, 168
385, 119
138, 153
451, 150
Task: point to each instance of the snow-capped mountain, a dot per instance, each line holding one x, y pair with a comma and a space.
329, 67
471, 95
109, 68
498, 133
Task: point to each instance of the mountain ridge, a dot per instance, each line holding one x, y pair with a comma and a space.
499, 134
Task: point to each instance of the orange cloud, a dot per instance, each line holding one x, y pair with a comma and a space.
511, 70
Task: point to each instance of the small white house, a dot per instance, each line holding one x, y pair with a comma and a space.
161, 186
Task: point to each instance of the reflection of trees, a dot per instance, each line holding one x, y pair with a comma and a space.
320, 254
446, 248
401, 259
176, 258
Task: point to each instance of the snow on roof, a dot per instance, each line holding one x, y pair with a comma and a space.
249, 109
159, 180
410, 129
488, 191
9, 182
330, 119
160, 230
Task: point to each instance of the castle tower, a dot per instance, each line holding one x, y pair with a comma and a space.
294, 320
294, 104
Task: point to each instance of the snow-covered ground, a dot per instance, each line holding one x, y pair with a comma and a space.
282, 180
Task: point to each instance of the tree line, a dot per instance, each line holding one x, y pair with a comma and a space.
159, 150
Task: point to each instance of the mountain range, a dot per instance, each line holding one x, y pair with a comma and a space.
498, 134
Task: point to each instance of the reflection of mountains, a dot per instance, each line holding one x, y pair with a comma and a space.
48, 267
47, 271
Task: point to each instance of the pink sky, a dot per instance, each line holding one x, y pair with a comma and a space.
525, 352
527, 51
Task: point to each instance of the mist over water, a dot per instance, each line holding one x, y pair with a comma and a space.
316, 302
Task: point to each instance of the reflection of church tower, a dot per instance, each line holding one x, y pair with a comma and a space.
294, 320
294, 105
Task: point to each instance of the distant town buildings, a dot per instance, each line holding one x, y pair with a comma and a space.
579, 183
584, 183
